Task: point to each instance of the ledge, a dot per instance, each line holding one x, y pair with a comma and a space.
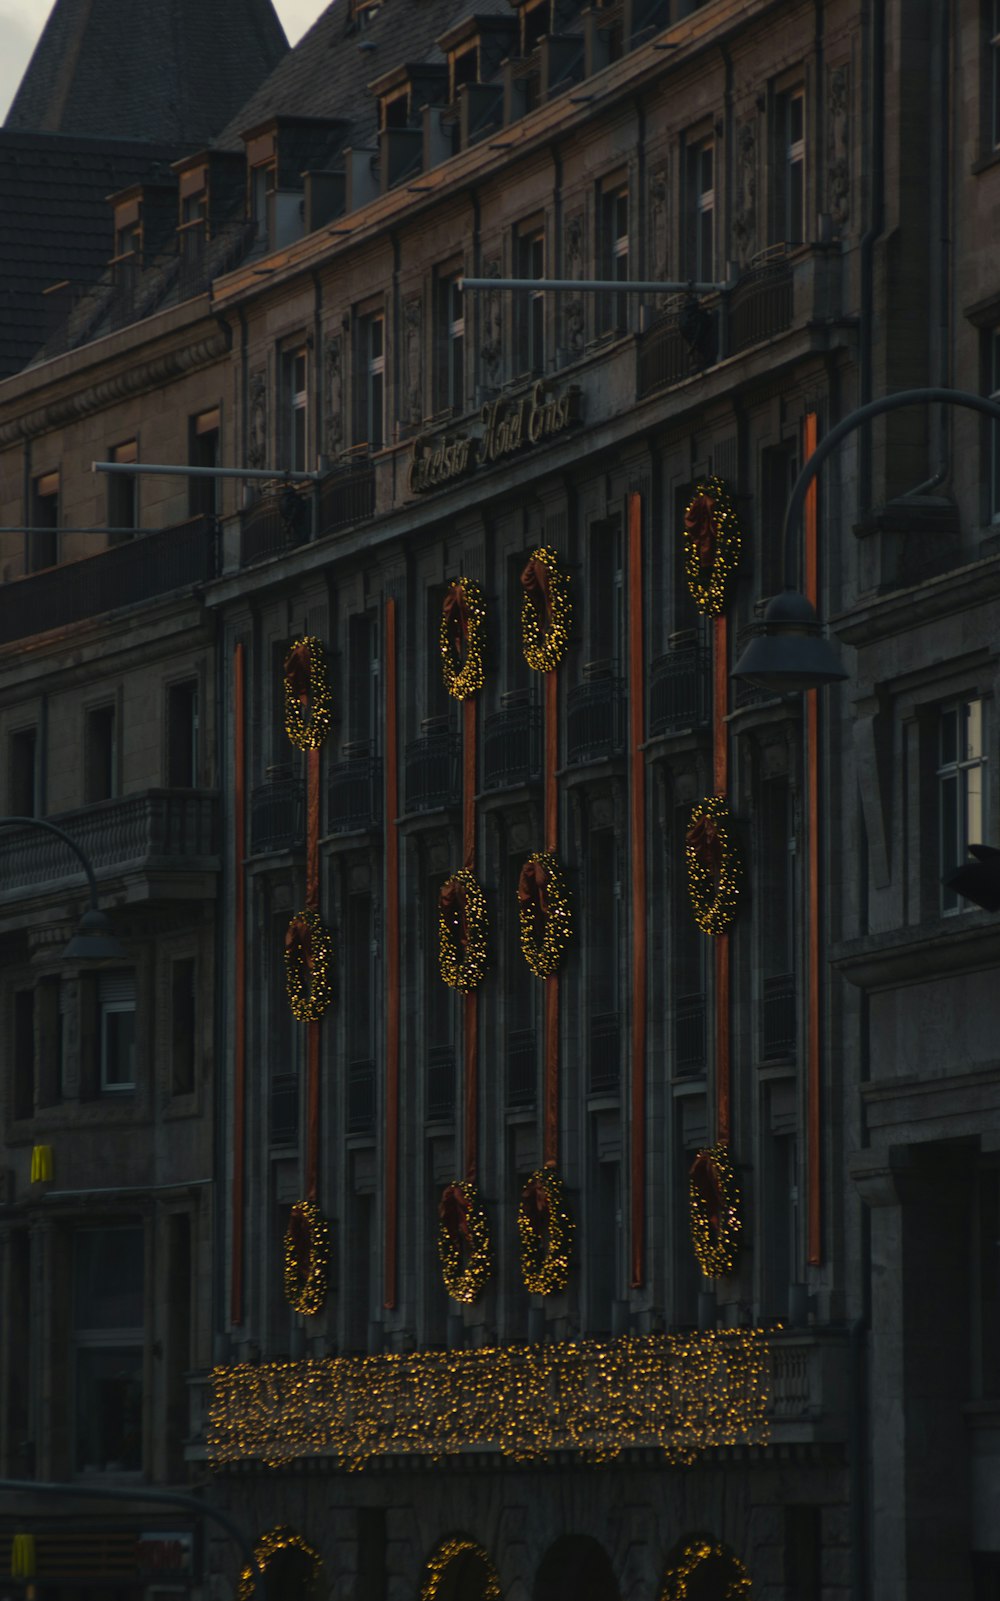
966, 943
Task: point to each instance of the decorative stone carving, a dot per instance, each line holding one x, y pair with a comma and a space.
491, 348
257, 431
333, 396
745, 208
413, 321
659, 219
574, 319
838, 150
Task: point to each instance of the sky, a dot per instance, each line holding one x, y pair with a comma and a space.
21, 22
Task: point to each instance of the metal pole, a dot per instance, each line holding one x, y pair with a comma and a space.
854, 419
39, 822
595, 286
20, 529
156, 470
190, 1503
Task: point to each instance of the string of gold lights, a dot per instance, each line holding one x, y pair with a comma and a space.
546, 1230
713, 865
462, 930
450, 1551
543, 910
712, 544
700, 1565
308, 696
308, 964
270, 1549
307, 1258
546, 611
461, 638
681, 1393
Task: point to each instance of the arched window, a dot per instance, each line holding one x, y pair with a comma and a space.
575, 1568
459, 1570
701, 1568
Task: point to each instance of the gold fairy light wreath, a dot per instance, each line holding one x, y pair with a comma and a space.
448, 1552
700, 1565
462, 635
462, 930
713, 865
308, 696
714, 1199
712, 542
546, 611
546, 1231
544, 912
308, 966
307, 1259
463, 1242
278, 1543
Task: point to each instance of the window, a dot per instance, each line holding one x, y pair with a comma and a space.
363, 679
360, 993
370, 389
122, 493
604, 1255
961, 779
22, 784
790, 168
296, 376
776, 925
529, 307
182, 736
51, 1040
203, 451
534, 25
182, 1026
607, 599
42, 539
450, 345
701, 211
614, 258
602, 969
993, 379
108, 1294
116, 1030
23, 1084
779, 468
464, 67
262, 188
100, 755
993, 56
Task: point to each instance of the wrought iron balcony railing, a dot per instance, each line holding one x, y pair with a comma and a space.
595, 721
521, 1067
361, 1096
690, 1051
680, 690
346, 497
354, 792
777, 1022
159, 829
681, 341
440, 1083
277, 816
431, 766
761, 305
512, 747
279, 521
146, 567
604, 1077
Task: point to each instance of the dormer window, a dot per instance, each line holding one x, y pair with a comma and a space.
395, 110
534, 25
127, 258
363, 12
463, 67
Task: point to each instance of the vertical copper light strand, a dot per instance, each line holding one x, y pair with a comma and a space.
239, 999
470, 1053
720, 783
313, 1027
637, 829
814, 1157
550, 1089
391, 825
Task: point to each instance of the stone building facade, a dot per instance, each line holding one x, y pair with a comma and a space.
832, 168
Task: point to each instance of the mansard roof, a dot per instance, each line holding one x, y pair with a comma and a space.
165, 70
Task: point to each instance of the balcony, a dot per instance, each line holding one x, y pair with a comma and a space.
156, 831
147, 567
283, 1110
440, 1084
432, 767
595, 721
680, 343
680, 690
809, 1395
354, 792
604, 1077
521, 1068
361, 1097
761, 305
277, 816
276, 523
512, 746
690, 1050
346, 497
777, 1018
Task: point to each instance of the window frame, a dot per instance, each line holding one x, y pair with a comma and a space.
370, 390
46, 491
614, 253
89, 1338
790, 153
295, 406
450, 384
956, 770
529, 311
123, 492
700, 206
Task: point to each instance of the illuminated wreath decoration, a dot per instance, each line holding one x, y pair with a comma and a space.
308, 963
544, 912
715, 1211
308, 697
462, 928
546, 611
546, 1231
307, 1258
713, 865
442, 1558
272, 1545
700, 1565
463, 1233
463, 627
712, 541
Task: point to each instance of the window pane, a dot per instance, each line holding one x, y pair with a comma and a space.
951, 855
795, 119
705, 181
973, 820
973, 720
108, 1269
109, 1410
949, 737
118, 1046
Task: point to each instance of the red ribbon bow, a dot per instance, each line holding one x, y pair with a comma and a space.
699, 520
298, 667
299, 937
535, 583
453, 1211
705, 1178
451, 905
536, 1200
705, 840
300, 1232
456, 617
531, 889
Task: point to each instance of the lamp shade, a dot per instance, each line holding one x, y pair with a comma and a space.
93, 940
790, 652
978, 881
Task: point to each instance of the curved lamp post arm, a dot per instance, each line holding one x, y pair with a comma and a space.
40, 822
855, 419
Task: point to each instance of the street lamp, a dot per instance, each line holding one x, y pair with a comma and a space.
791, 651
94, 940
